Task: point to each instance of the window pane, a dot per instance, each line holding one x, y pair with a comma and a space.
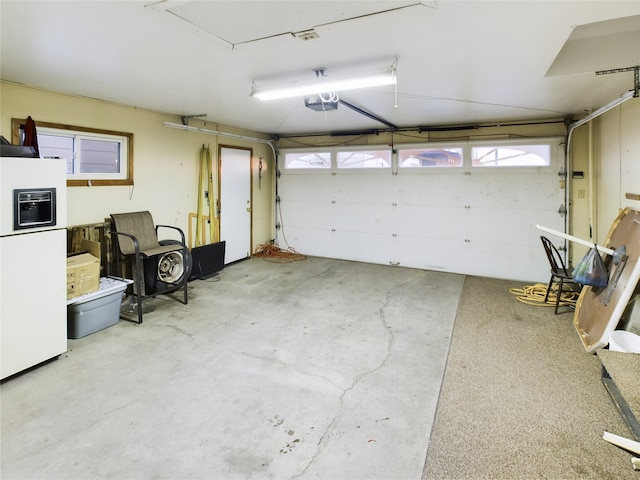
511, 156
365, 159
430, 157
91, 154
57, 146
307, 160
99, 156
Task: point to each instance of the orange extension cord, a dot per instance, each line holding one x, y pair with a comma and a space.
271, 253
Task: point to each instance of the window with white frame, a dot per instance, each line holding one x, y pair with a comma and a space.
430, 157
364, 158
511, 155
338, 157
96, 157
307, 160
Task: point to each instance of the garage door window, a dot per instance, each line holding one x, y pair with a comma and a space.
364, 159
511, 156
430, 157
307, 160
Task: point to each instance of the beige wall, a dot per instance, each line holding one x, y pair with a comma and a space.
617, 152
165, 160
613, 142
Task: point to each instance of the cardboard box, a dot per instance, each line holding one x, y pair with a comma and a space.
83, 270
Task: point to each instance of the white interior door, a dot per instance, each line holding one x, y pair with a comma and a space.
235, 202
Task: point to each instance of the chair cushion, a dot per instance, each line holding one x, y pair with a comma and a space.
161, 249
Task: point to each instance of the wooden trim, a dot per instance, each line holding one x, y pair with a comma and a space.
98, 183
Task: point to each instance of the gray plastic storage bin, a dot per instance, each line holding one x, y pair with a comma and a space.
95, 311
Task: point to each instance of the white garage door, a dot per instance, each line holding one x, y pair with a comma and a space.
468, 208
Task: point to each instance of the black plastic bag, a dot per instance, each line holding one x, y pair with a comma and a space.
591, 270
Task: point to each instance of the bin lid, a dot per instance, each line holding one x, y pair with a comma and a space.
108, 285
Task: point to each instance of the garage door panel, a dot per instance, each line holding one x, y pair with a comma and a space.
549, 219
506, 260
459, 256
515, 225
362, 247
307, 213
310, 241
345, 245
353, 188
426, 221
503, 191
365, 218
434, 190
308, 188
476, 221
431, 253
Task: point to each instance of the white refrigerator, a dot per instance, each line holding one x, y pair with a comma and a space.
33, 246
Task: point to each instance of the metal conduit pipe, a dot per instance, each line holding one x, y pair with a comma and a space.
222, 134
593, 219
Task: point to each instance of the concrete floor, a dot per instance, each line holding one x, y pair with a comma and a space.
312, 369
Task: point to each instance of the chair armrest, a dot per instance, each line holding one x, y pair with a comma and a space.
136, 244
173, 228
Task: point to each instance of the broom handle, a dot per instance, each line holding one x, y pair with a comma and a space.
571, 238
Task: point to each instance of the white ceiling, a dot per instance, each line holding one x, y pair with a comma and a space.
459, 62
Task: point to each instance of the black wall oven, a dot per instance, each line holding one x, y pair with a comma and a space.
34, 208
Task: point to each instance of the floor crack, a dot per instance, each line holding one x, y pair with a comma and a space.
358, 378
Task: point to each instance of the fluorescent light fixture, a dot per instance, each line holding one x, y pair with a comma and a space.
327, 83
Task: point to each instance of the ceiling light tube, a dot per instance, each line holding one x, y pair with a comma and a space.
324, 84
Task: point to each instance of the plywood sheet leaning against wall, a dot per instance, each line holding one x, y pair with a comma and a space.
599, 310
